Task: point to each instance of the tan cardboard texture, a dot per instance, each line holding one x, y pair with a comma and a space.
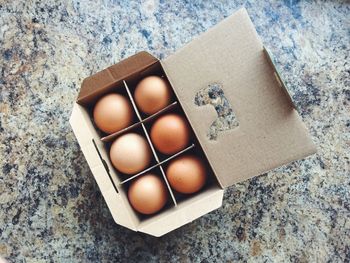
270, 131
116, 202
104, 81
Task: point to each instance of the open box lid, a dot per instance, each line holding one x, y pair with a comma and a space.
229, 71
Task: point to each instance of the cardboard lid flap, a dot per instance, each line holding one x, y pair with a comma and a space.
255, 128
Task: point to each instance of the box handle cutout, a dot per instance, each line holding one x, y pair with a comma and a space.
213, 94
105, 165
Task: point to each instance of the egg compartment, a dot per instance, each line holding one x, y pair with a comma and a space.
125, 185
211, 181
174, 110
158, 167
118, 89
153, 70
155, 155
121, 182
122, 176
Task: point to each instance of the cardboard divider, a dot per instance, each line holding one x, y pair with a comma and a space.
113, 136
139, 174
157, 159
164, 110
147, 122
149, 141
132, 101
168, 185
158, 164
138, 115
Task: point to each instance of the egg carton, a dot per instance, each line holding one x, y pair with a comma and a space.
243, 120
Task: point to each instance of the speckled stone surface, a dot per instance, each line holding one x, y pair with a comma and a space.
51, 207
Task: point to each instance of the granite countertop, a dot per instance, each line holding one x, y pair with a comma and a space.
51, 207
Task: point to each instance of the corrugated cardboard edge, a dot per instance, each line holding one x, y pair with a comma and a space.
278, 76
85, 136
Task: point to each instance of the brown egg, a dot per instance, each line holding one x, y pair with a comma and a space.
170, 133
130, 153
112, 113
148, 194
152, 94
186, 174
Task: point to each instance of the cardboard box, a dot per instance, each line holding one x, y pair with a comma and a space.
232, 70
